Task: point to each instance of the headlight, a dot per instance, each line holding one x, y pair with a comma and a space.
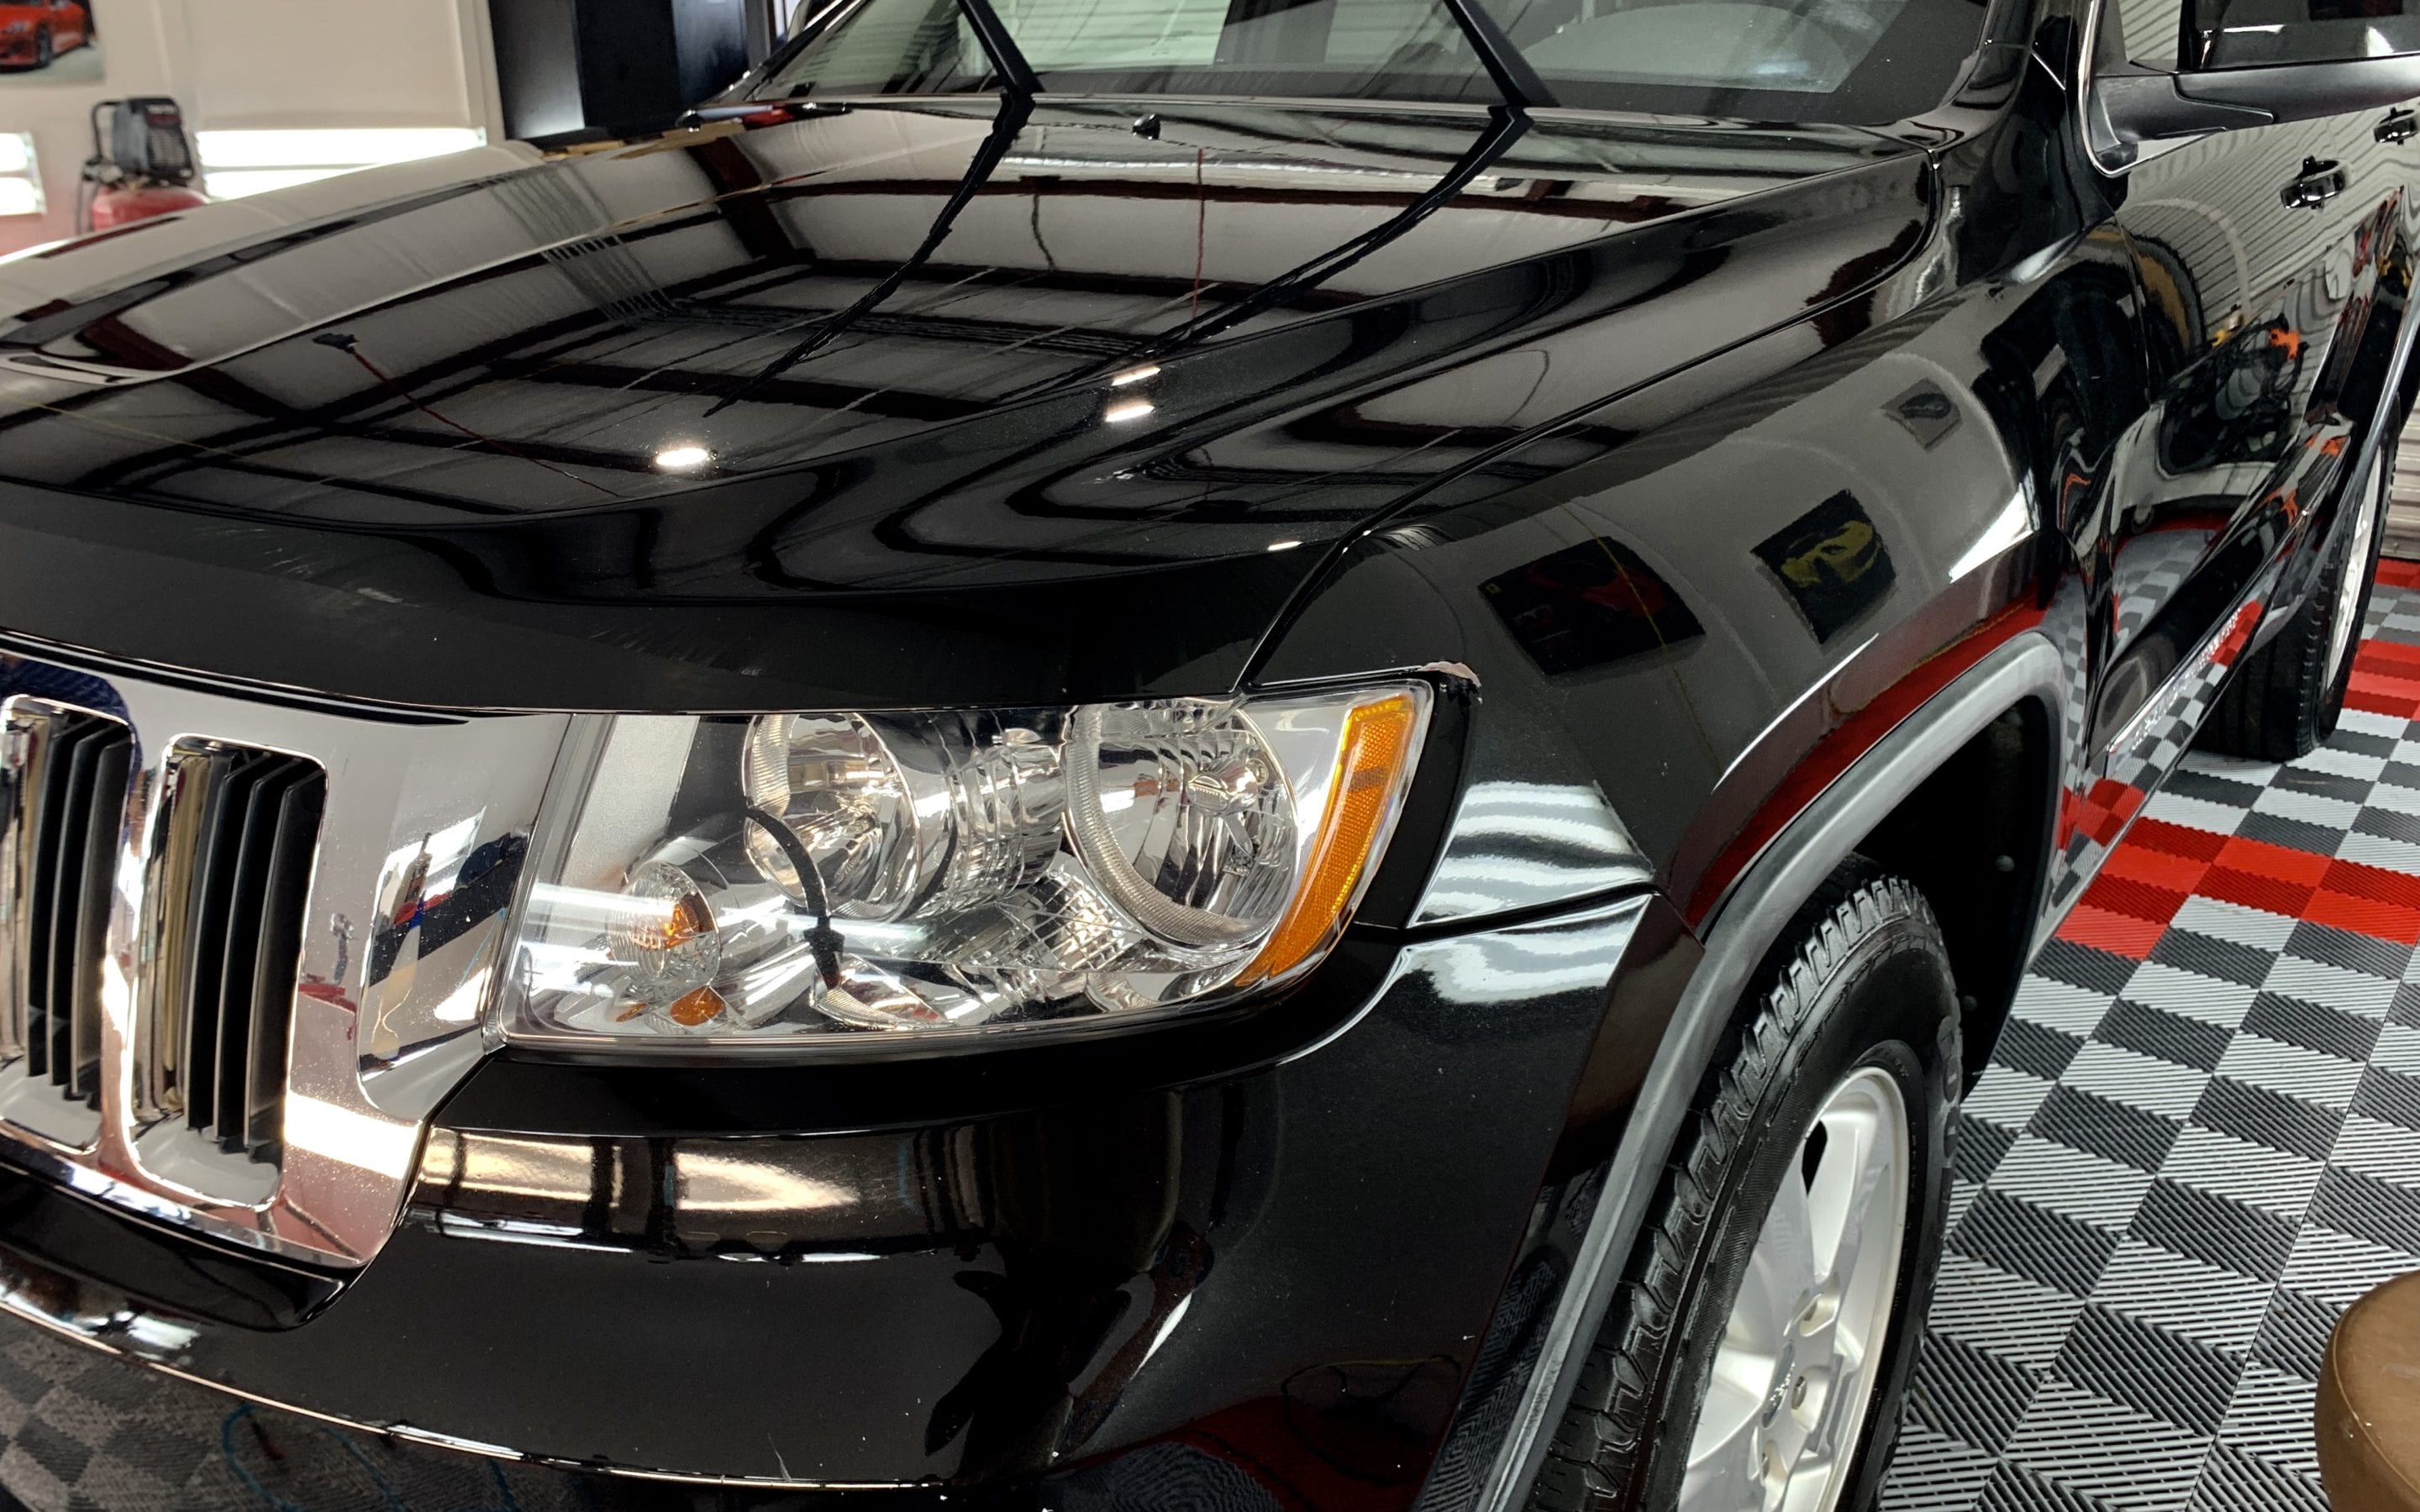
15, 28
801, 879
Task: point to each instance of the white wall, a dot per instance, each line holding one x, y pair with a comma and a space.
236, 64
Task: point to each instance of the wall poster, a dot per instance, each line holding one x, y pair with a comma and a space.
50, 40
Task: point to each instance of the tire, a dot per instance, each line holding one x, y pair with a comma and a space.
1859, 995
42, 53
2287, 696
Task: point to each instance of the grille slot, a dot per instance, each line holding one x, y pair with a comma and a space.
60, 809
243, 837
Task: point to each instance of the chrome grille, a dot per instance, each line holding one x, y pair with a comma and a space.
65, 773
242, 825
246, 940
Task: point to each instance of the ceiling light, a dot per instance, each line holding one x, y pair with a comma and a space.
684, 458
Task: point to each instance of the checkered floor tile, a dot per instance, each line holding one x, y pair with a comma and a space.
2198, 1140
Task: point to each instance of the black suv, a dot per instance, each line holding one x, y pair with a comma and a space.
1111, 756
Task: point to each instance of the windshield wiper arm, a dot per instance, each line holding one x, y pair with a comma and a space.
1016, 74
1018, 87
1015, 109
1506, 126
1514, 79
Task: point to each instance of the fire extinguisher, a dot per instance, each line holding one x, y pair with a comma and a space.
142, 165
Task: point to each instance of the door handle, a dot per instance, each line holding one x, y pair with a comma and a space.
2399, 127
2319, 181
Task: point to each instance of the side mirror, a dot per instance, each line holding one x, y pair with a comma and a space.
2133, 106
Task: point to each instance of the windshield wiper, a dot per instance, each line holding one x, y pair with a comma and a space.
1016, 75
1507, 123
1015, 108
1018, 88
1511, 74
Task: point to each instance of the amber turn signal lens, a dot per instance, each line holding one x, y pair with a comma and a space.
1370, 765
702, 1006
692, 920
685, 918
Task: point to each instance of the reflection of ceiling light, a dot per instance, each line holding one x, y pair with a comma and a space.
2015, 522
1283, 546
709, 1181
683, 457
1131, 410
236, 163
331, 148
1135, 375
366, 1141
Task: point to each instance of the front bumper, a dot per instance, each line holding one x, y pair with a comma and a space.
1268, 1252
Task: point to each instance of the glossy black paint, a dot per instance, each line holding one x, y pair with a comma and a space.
1708, 449
932, 505
999, 1283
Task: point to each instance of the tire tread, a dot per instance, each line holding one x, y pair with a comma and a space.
1598, 1452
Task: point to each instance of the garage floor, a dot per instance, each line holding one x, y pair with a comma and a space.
2198, 1140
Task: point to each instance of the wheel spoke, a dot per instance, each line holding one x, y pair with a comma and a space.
1785, 1250
1726, 1468
1810, 1484
1792, 1383
1855, 1184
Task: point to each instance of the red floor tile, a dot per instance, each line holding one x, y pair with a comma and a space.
2159, 865
2117, 934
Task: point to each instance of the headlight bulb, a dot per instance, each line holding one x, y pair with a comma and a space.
1183, 817
667, 941
833, 781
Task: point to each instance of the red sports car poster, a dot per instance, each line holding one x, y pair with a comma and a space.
49, 40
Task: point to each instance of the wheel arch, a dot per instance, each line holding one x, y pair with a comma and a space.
1976, 838
2003, 720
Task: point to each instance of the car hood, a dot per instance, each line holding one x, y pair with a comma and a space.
903, 402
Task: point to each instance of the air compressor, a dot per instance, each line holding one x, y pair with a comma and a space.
142, 165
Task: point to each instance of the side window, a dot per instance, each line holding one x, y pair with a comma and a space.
2234, 34
2152, 31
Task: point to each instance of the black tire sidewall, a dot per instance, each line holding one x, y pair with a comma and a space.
2284, 699
2373, 490
1890, 1005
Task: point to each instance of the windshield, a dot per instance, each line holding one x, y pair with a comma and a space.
1859, 62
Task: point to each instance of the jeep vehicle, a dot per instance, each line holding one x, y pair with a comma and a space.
1099, 756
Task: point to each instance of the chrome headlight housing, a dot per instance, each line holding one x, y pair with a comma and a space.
798, 882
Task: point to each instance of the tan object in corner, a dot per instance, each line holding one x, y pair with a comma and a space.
2369, 1414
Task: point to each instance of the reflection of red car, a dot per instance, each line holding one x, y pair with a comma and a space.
33, 32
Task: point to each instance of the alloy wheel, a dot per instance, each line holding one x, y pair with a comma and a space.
1794, 1375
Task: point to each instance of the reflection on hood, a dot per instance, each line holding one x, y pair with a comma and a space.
1089, 325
